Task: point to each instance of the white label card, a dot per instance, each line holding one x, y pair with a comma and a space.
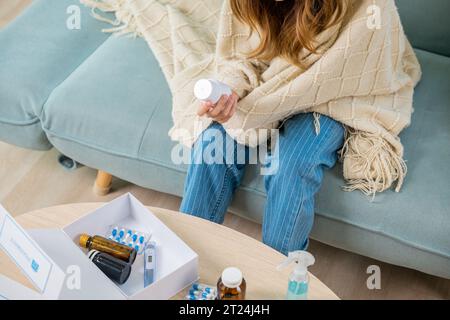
24, 251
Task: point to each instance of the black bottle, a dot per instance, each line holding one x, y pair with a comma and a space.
115, 269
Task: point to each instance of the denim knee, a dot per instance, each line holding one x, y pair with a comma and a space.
215, 146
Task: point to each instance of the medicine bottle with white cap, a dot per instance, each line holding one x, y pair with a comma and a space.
211, 90
232, 285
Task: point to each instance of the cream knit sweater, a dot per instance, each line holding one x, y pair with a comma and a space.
363, 76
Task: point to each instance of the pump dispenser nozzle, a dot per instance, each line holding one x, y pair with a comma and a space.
299, 279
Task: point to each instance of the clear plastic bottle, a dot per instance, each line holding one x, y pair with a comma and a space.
298, 284
113, 248
232, 285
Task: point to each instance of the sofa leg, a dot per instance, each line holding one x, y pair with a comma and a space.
102, 183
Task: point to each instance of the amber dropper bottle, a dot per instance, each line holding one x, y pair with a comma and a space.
102, 244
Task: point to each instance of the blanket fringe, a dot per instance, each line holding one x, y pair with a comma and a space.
125, 22
317, 125
375, 165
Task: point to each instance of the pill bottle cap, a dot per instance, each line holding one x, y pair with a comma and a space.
203, 89
84, 238
232, 278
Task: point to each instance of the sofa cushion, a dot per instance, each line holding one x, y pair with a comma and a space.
113, 101
427, 24
114, 113
419, 215
37, 53
410, 228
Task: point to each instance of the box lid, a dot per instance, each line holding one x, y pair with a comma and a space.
45, 275
84, 280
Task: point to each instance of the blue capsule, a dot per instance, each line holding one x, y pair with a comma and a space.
114, 232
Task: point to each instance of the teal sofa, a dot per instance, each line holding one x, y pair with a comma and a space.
103, 101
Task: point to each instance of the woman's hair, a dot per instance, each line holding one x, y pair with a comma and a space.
288, 26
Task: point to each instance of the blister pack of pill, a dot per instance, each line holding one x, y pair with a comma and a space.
133, 238
200, 291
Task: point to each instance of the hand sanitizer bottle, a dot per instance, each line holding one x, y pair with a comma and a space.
211, 90
299, 279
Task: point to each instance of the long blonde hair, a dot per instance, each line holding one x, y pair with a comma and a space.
286, 27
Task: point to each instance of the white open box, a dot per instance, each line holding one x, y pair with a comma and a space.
52, 259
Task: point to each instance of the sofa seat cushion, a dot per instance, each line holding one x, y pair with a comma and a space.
419, 215
114, 113
37, 53
117, 101
410, 228
432, 33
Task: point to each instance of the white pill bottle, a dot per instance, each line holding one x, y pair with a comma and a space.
211, 90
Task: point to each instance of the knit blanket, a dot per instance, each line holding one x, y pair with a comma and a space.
362, 75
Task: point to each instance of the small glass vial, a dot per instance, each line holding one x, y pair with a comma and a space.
115, 269
232, 285
113, 248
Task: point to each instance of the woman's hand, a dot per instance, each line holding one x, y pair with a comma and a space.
223, 111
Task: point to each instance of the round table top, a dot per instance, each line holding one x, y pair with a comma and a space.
218, 247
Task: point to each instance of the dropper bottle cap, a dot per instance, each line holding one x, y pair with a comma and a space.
84, 239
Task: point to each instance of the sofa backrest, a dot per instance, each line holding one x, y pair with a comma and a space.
427, 24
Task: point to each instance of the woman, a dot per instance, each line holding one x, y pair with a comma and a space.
285, 28
346, 60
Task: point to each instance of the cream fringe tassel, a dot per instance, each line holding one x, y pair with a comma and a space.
125, 22
317, 125
374, 159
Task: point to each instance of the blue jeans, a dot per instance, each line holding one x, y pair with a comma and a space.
289, 211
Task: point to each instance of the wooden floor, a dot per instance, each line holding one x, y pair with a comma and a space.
31, 180
10, 8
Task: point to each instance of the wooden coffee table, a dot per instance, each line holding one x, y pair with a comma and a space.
217, 246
